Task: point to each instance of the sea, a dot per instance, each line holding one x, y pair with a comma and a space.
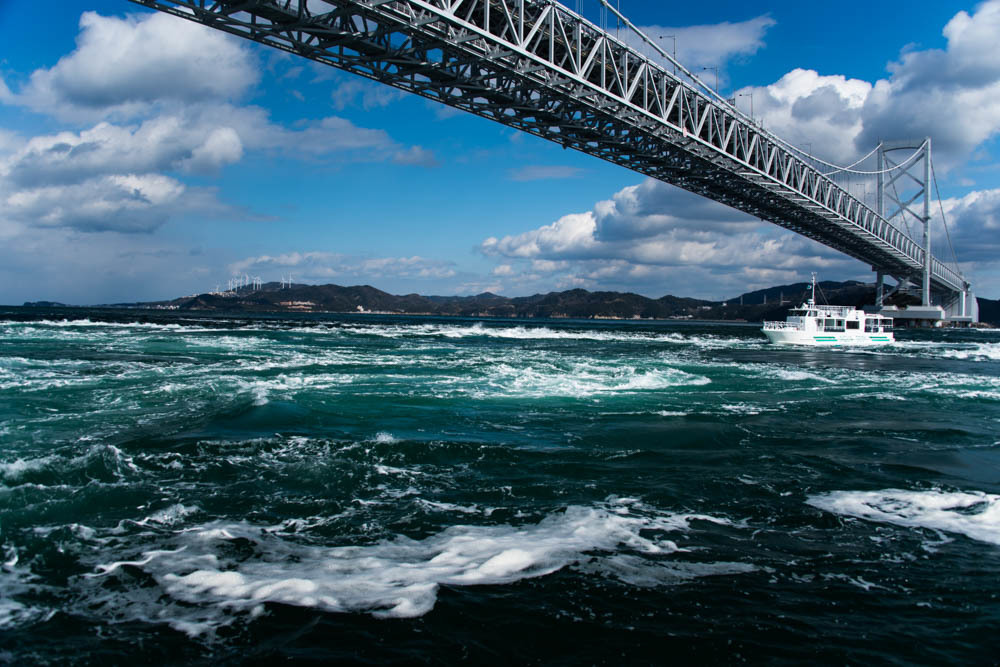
182, 488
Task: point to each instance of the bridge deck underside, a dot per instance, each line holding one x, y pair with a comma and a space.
535, 66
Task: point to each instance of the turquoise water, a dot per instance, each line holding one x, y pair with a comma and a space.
373, 488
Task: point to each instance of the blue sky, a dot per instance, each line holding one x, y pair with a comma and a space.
145, 157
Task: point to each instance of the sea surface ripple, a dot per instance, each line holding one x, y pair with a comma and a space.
185, 488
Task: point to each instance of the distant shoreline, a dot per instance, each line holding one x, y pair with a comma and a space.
771, 303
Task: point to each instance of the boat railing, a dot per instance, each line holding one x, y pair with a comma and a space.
839, 310
778, 326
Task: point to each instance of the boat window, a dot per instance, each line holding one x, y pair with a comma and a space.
812, 313
853, 324
796, 313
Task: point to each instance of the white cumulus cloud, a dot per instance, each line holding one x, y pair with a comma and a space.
123, 203
645, 228
124, 65
163, 142
712, 45
823, 114
950, 94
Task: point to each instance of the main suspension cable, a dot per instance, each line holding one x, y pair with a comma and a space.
877, 172
947, 234
848, 167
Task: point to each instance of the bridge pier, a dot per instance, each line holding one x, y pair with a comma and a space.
946, 308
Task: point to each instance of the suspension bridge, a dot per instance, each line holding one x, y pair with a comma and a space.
540, 67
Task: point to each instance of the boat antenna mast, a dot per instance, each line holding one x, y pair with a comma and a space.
812, 299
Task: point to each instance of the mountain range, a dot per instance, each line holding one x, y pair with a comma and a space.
766, 304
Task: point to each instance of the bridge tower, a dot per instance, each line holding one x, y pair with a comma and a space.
904, 194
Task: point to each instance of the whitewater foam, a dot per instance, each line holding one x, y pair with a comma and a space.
478, 330
451, 507
97, 461
797, 375
544, 333
583, 379
18, 580
85, 322
970, 513
399, 578
978, 352
974, 351
170, 515
15, 470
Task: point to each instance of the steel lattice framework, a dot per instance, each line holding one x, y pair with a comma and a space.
537, 66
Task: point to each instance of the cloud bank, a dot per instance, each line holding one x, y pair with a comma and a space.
159, 99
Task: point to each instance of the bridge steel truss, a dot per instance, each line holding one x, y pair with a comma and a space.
537, 66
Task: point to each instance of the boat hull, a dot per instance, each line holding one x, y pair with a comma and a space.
827, 338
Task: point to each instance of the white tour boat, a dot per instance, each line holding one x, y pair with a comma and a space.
811, 324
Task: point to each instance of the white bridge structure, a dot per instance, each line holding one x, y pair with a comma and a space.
542, 68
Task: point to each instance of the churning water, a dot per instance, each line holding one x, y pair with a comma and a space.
373, 489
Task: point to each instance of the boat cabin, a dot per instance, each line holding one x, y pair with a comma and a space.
809, 317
